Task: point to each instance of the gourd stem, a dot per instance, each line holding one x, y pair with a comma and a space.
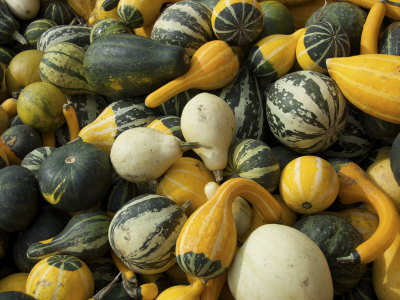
185, 146
19, 38
186, 205
353, 258
100, 294
218, 175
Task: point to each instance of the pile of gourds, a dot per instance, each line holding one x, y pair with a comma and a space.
199, 149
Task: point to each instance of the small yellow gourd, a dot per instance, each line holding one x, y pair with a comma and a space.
183, 292
14, 282
98, 13
371, 28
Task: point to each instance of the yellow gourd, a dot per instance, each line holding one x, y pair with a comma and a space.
212, 66
98, 13
72, 121
14, 282
371, 28
392, 7
212, 288
183, 292
301, 13
82, 8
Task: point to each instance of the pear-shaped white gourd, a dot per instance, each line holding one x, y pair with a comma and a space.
209, 120
143, 154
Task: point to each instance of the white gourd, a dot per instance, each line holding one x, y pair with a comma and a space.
24, 9
280, 262
209, 120
142, 154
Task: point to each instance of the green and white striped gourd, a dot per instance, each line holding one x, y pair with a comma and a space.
306, 111
76, 34
175, 105
389, 41
62, 66
237, 22
85, 236
186, 24
107, 26
144, 231
59, 11
253, 159
168, 124
319, 42
35, 29
9, 26
245, 98
6, 55
33, 159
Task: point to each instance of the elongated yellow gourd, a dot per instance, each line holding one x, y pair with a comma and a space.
355, 187
370, 32
392, 7
206, 244
72, 121
213, 287
212, 66
183, 292
371, 82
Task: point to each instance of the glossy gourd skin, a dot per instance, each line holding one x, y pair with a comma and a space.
371, 28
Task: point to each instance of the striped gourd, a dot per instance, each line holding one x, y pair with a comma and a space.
85, 236
388, 43
59, 11
308, 184
237, 22
113, 120
66, 277
107, 26
244, 96
33, 159
320, 41
87, 108
35, 29
175, 105
9, 26
253, 159
185, 180
62, 66
186, 24
353, 143
6, 55
76, 34
377, 94
206, 244
153, 222
306, 111
168, 124
273, 56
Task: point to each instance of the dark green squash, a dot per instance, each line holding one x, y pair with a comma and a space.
33, 159
19, 198
59, 11
174, 105
127, 65
6, 55
75, 176
14, 295
336, 237
376, 128
284, 155
103, 270
395, 158
107, 26
277, 19
47, 223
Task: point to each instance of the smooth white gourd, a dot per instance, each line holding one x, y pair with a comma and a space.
143, 154
280, 262
24, 9
209, 120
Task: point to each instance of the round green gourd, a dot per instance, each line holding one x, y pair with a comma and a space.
107, 26
36, 28
378, 129
388, 43
59, 11
6, 54
277, 19
346, 15
75, 176
120, 192
33, 159
336, 238
19, 198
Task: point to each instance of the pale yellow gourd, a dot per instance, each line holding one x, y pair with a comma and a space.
183, 292
23, 9
209, 120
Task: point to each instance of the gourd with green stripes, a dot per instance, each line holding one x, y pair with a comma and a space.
153, 222
168, 124
253, 159
33, 159
6, 55
175, 105
62, 66
237, 22
320, 41
388, 43
9, 26
306, 111
113, 120
85, 236
59, 11
76, 34
107, 26
186, 24
35, 29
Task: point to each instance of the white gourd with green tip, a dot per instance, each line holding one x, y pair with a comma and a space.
23, 9
209, 120
142, 154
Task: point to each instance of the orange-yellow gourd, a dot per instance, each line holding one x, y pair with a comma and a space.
301, 13
183, 292
212, 66
206, 244
14, 282
212, 289
72, 121
392, 7
371, 28
98, 13
10, 106
355, 186
371, 82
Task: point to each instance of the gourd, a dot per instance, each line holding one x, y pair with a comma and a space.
185, 180
381, 97
205, 249
66, 175
99, 13
35, 29
142, 154
76, 34
167, 124
300, 264
85, 236
392, 8
320, 41
15, 295
67, 277
40, 105
19, 198
209, 120
277, 19
387, 44
371, 28
308, 184
356, 187
212, 66
107, 26
237, 22
59, 11
82, 8
24, 10
301, 13
23, 70
154, 248
9, 26
14, 282
33, 159
6, 54
183, 292
395, 158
